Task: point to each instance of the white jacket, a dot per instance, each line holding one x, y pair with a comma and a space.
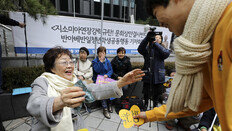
84, 69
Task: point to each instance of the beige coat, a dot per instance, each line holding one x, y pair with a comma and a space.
84, 69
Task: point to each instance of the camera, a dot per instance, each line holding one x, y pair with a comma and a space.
152, 28
152, 33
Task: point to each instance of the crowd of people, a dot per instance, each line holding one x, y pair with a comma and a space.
52, 103
80, 75
56, 107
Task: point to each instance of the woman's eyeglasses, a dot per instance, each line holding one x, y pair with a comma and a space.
66, 63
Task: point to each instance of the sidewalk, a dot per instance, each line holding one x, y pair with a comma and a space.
94, 121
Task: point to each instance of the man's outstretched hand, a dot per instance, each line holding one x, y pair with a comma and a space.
143, 116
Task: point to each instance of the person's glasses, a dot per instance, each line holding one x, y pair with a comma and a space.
66, 63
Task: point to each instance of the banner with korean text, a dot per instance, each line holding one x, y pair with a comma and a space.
74, 32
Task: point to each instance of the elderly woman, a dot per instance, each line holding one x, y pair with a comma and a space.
54, 97
83, 68
102, 66
121, 64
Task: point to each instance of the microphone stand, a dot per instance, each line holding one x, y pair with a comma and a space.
25, 32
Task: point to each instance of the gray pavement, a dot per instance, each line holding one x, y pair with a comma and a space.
94, 121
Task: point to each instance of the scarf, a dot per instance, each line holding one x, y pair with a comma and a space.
56, 84
89, 98
192, 50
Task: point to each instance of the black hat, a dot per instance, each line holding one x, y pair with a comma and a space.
84, 49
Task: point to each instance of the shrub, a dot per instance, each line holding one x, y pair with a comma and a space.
20, 76
137, 65
24, 76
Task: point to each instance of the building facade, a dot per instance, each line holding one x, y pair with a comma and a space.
116, 10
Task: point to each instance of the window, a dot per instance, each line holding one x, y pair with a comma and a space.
116, 2
124, 12
107, 1
97, 8
77, 6
64, 5
125, 3
107, 10
132, 3
116, 11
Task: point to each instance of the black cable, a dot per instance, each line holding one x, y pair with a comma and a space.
11, 97
119, 125
11, 101
157, 126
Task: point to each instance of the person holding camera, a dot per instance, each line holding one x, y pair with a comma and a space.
154, 54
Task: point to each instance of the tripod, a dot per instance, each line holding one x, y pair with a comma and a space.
151, 74
151, 53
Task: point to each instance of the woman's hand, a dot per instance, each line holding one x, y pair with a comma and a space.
105, 76
80, 77
131, 77
70, 97
143, 116
102, 56
119, 78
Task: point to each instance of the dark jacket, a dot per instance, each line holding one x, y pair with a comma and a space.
120, 66
7, 21
101, 68
159, 53
207, 119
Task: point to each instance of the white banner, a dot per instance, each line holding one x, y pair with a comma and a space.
73, 33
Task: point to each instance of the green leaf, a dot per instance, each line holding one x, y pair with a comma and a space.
32, 7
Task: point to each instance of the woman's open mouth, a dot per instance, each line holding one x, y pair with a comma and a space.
68, 72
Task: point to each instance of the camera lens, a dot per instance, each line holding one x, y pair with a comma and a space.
152, 39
